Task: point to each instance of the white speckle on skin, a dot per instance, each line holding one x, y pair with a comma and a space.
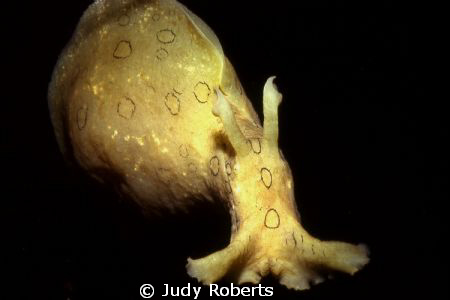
156, 139
140, 140
95, 89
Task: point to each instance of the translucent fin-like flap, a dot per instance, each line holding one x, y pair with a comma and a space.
204, 30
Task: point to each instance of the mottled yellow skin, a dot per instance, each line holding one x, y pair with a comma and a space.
144, 98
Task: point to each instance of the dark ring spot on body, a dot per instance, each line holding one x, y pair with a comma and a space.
214, 165
192, 168
162, 53
172, 103
126, 108
156, 17
228, 187
266, 177
272, 219
202, 92
255, 144
228, 168
82, 117
183, 151
124, 20
166, 36
123, 50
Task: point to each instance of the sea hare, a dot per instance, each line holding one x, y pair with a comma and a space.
143, 97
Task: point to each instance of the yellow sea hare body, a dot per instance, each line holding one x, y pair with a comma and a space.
144, 97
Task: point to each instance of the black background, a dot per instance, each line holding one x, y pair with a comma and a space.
363, 138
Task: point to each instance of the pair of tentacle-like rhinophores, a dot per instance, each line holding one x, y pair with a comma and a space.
143, 93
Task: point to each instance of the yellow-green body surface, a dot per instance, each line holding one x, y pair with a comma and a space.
144, 98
